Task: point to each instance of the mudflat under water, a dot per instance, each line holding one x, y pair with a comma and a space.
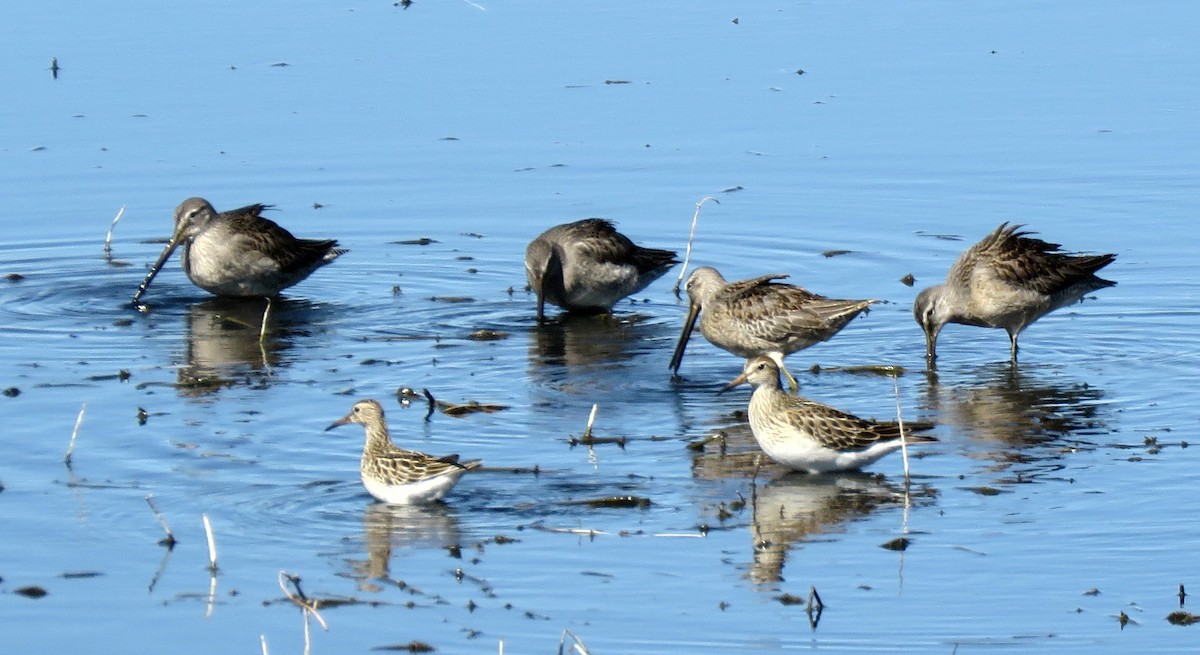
1055, 513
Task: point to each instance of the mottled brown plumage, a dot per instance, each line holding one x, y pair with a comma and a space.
1007, 280
393, 474
805, 435
587, 266
239, 252
761, 316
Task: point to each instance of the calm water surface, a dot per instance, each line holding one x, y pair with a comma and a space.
1059, 498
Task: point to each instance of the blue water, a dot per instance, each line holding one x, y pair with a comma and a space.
914, 130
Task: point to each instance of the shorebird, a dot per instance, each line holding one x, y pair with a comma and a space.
760, 316
393, 474
238, 252
587, 266
1007, 280
805, 435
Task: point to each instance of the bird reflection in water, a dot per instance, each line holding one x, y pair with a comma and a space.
224, 347
390, 527
787, 508
1026, 418
795, 507
574, 340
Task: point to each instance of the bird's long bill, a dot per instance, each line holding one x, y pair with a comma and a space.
338, 423
162, 259
688, 326
739, 380
931, 346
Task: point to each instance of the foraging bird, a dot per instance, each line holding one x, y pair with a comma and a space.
587, 266
395, 475
1007, 280
805, 435
238, 252
760, 316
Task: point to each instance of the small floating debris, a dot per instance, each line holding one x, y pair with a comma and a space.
54, 67
31, 591
12, 392
423, 241
454, 300
985, 491
617, 82
618, 502
908, 280
885, 370
470, 407
14, 277
406, 395
899, 543
412, 646
733, 189
487, 335
280, 64
1182, 618
80, 575
835, 253
789, 599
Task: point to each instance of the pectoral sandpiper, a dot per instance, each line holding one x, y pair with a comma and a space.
805, 435
393, 474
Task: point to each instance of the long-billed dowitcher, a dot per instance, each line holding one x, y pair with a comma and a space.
393, 474
1007, 280
805, 435
760, 316
238, 252
587, 266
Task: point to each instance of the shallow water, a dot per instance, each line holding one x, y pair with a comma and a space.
913, 131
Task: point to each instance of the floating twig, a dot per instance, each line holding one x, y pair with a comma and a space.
302, 601
108, 237
687, 255
74, 435
432, 403
169, 540
814, 607
263, 641
212, 545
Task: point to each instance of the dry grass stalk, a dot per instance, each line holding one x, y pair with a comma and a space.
169, 540
900, 424
74, 435
587, 431
687, 254
111, 227
577, 644
306, 604
212, 545
262, 330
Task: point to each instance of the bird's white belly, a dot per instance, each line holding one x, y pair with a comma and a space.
424, 491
